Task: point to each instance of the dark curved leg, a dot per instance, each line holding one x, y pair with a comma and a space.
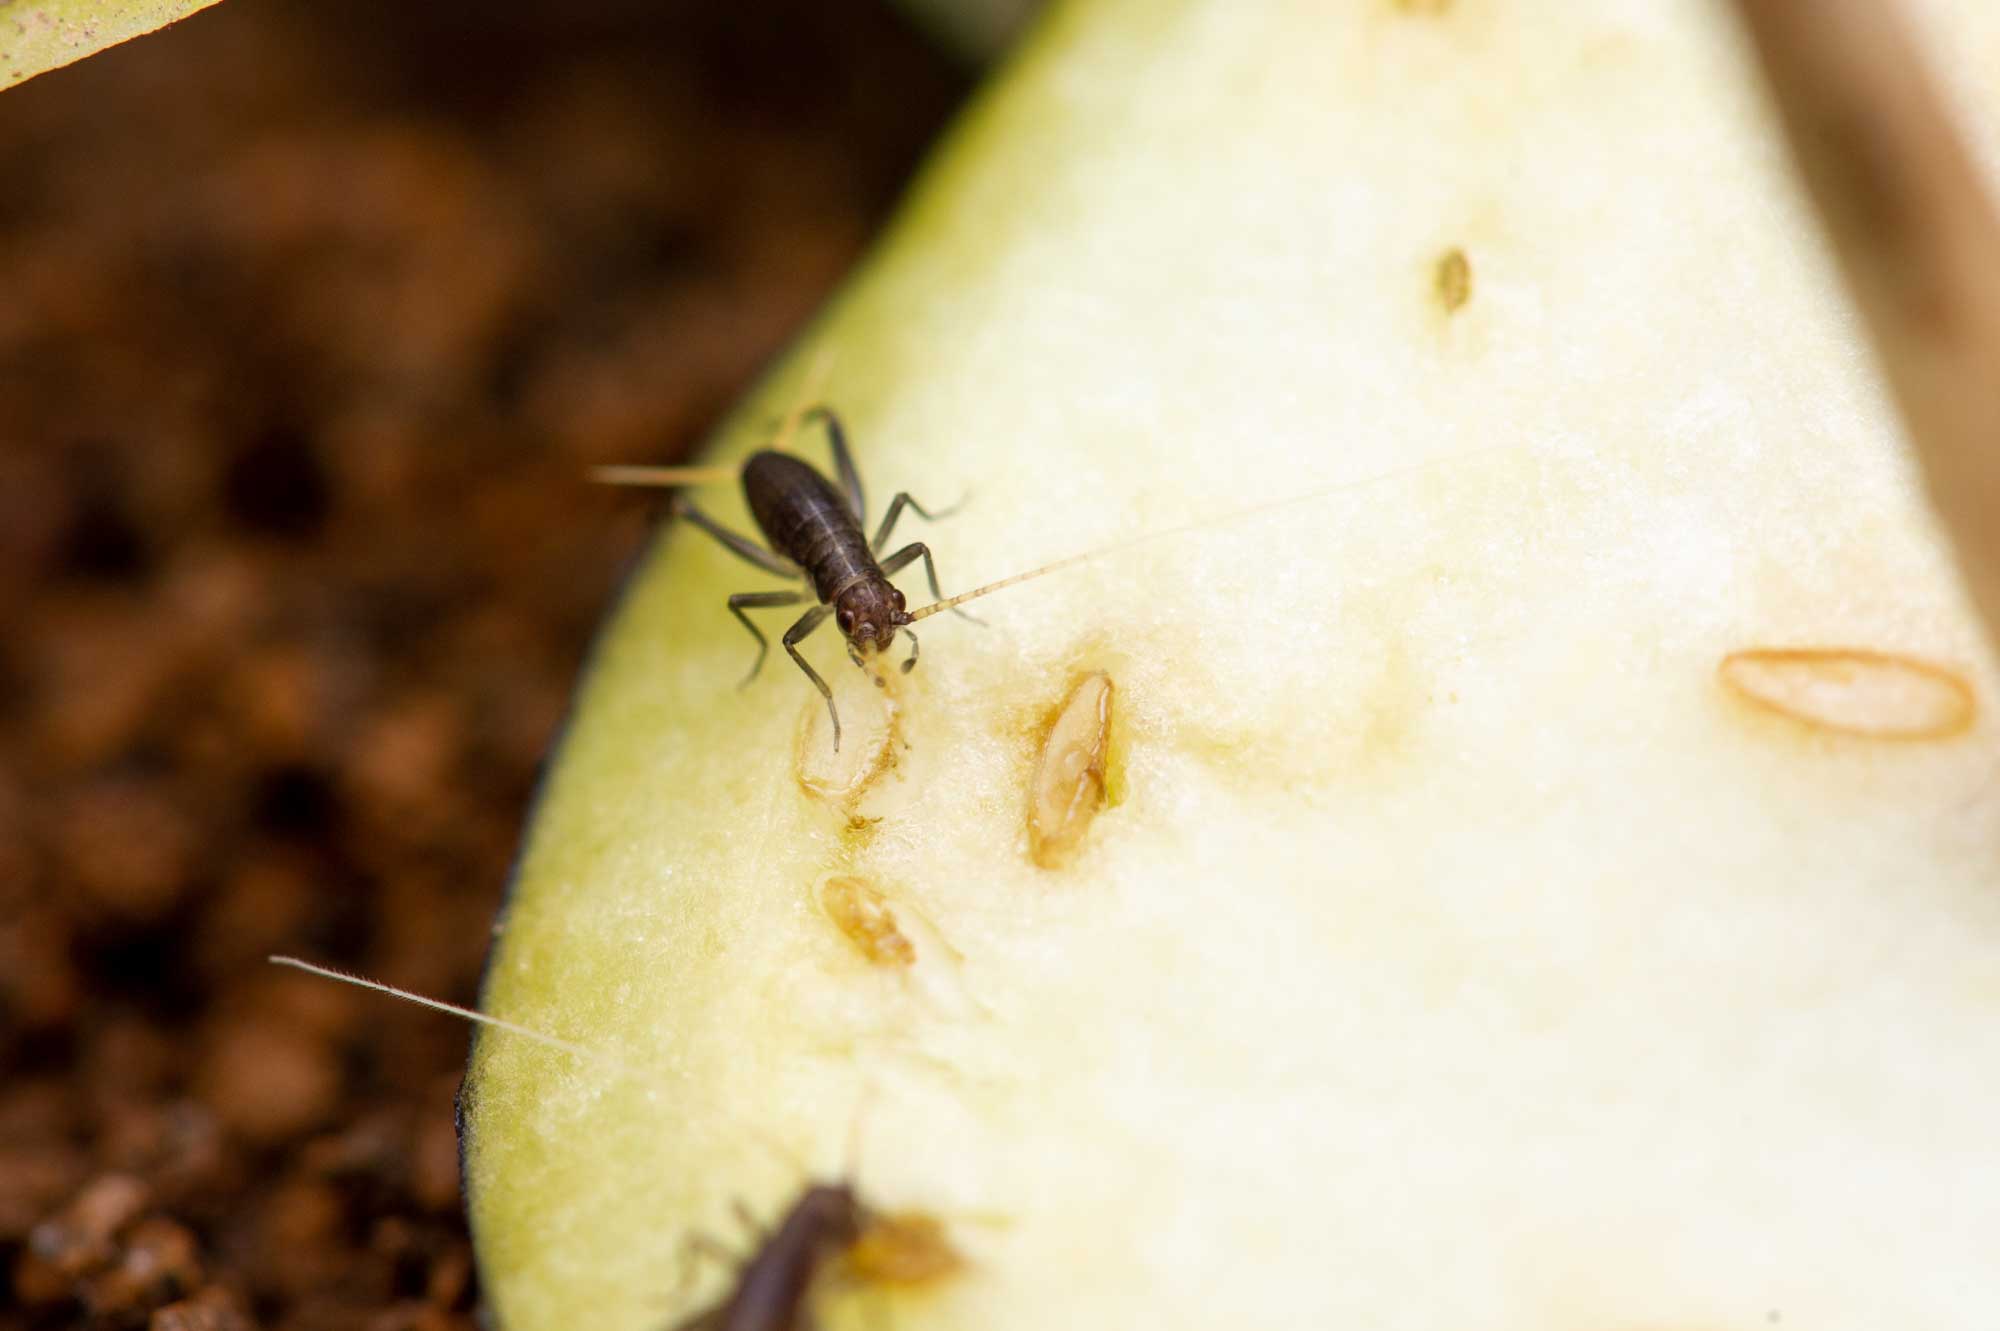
742, 601
843, 461
796, 634
739, 545
896, 507
908, 555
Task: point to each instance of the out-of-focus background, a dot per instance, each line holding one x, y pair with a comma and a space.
311, 319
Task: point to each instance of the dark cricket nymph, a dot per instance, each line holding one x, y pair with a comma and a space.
813, 531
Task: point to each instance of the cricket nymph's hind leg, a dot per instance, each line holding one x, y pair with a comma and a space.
843, 461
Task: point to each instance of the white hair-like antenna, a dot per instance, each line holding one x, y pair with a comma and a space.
1204, 524
765, 1139
662, 477
437, 1005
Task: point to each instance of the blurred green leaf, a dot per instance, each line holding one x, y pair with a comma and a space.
40, 35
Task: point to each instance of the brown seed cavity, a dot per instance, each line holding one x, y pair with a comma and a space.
1854, 691
1069, 782
903, 1248
870, 734
865, 916
1451, 280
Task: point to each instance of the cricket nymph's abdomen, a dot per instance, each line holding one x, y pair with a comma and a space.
808, 522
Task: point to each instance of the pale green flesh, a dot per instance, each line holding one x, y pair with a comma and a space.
1461, 954
39, 35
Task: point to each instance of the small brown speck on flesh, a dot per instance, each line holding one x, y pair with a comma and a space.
904, 1248
1430, 8
1854, 691
858, 832
1451, 279
868, 920
1069, 781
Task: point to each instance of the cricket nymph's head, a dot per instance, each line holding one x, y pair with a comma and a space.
870, 614
831, 1216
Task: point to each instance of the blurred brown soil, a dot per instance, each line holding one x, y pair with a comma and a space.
311, 317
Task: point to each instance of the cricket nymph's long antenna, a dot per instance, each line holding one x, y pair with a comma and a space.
1204, 524
953, 602
665, 477
436, 1005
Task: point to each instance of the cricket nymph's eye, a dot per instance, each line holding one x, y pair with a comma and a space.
845, 619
